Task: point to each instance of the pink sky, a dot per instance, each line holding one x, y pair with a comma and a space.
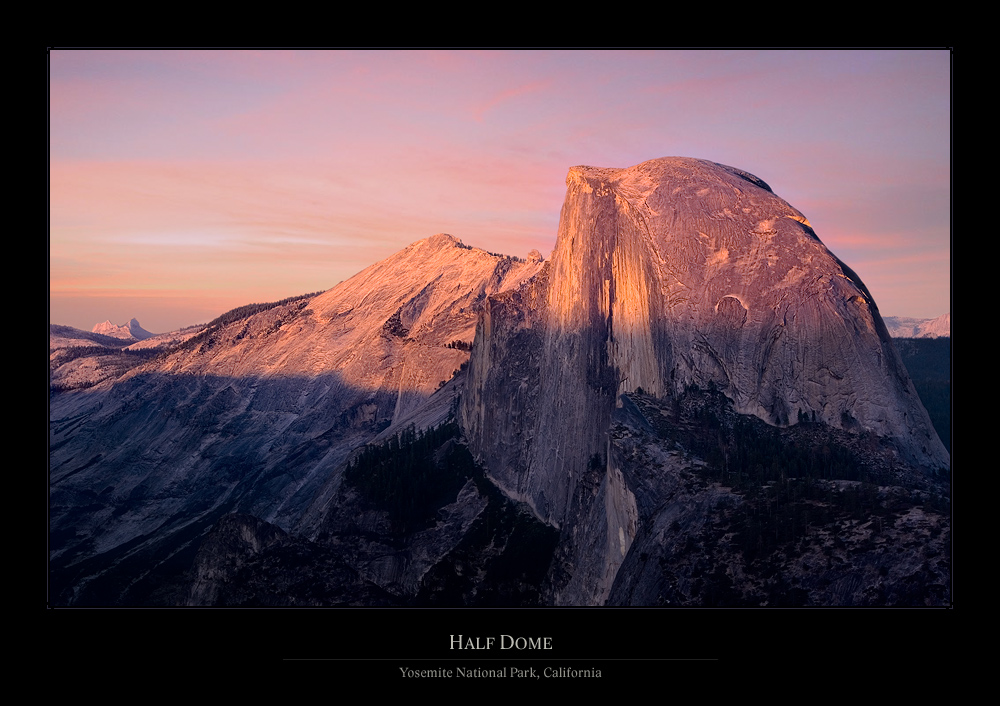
185, 183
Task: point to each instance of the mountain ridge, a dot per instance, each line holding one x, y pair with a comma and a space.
909, 327
254, 414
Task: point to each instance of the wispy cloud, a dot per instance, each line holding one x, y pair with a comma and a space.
481, 110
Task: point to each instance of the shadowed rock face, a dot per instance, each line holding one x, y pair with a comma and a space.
672, 273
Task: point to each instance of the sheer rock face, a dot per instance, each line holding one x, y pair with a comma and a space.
671, 273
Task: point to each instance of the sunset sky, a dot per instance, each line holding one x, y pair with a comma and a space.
185, 183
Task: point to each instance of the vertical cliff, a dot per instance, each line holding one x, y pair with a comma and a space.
672, 273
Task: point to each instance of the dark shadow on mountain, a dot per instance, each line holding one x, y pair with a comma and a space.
141, 470
807, 515
415, 523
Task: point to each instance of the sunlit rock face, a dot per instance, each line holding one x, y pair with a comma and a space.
671, 273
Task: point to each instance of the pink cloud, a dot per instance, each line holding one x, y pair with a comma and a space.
481, 109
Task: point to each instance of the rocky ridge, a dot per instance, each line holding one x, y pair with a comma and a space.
258, 411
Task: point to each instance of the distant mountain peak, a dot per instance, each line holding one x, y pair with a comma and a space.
908, 327
132, 330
